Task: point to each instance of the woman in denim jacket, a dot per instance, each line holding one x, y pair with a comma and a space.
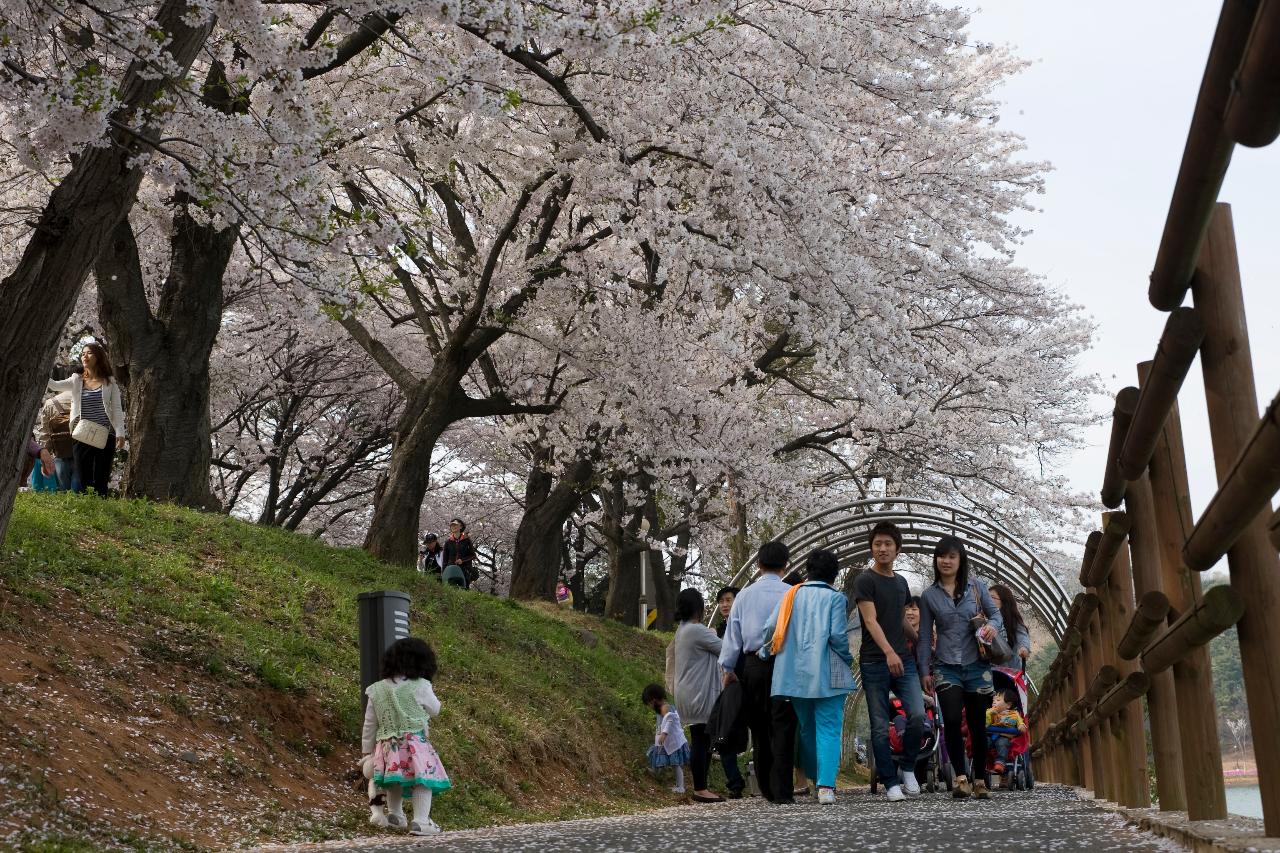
961, 676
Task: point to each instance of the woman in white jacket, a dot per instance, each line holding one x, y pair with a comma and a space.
95, 398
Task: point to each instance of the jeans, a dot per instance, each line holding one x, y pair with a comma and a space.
732, 774
65, 471
876, 683
970, 677
821, 722
1001, 746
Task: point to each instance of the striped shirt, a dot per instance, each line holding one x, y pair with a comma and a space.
91, 408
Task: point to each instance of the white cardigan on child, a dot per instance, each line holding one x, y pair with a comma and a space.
426, 697
111, 400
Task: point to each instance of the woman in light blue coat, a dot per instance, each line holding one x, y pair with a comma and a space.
808, 634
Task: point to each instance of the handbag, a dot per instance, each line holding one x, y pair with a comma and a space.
90, 433
997, 651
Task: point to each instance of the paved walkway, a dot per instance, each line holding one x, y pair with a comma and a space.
1048, 818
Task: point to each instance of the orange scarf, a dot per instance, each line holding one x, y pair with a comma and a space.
784, 620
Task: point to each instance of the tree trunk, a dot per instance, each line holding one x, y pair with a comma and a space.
670, 581
540, 536
739, 547
397, 508
76, 223
623, 537
166, 356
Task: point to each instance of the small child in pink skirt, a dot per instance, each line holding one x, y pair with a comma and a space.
397, 755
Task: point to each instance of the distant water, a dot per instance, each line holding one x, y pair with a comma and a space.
1244, 800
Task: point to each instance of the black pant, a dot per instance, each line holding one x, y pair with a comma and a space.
699, 755
93, 466
773, 729
973, 706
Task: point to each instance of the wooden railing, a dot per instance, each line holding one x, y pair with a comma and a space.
1140, 628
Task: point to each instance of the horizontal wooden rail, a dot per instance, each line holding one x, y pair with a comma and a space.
1220, 608
1245, 492
1179, 343
1253, 111
1204, 161
1148, 616
1089, 604
1134, 686
1113, 482
1117, 528
1102, 682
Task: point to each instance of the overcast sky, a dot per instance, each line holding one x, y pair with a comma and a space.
1108, 100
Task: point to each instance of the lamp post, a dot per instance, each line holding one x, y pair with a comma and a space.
644, 574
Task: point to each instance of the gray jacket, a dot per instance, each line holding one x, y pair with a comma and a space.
697, 676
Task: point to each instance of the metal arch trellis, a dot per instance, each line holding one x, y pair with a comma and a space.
993, 550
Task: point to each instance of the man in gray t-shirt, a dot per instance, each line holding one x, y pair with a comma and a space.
884, 664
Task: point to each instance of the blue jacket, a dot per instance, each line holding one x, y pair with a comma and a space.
815, 661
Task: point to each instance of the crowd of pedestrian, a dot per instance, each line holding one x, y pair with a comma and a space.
452, 561
781, 664
81, 425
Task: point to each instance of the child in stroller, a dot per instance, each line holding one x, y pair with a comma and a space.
1004, 725
929, 770
1016, 765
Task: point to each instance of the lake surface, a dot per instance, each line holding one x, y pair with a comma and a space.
1245, 800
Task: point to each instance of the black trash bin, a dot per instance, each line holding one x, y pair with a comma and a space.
384, 618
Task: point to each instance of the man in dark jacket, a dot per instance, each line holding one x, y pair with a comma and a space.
459, 551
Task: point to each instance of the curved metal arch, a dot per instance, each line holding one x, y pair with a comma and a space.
993, 550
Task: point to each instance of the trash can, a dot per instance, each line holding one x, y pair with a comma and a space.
384, 618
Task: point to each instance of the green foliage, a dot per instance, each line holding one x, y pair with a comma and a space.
1228, 677
524, 698
1040, 661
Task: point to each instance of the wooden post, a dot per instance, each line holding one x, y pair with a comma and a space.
1162, 700
1193, 676
1100, 741
1232, 401
1080, 747
1135, 790
1089, 654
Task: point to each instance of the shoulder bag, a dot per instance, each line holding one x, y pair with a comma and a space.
997, 651
90, 433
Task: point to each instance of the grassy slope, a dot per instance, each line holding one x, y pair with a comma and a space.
525, 698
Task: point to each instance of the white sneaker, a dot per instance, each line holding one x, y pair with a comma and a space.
826, 796
677, 790
427, 827
910, 783
396, 819
894, 794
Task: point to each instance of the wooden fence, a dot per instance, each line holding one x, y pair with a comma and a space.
1141, 626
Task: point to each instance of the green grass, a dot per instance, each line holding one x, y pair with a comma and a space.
526, 702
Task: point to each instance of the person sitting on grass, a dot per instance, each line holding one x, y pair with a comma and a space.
397, 755
1004, 723
670, 747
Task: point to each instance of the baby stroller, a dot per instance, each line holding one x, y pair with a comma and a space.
1018, 768
932, 772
